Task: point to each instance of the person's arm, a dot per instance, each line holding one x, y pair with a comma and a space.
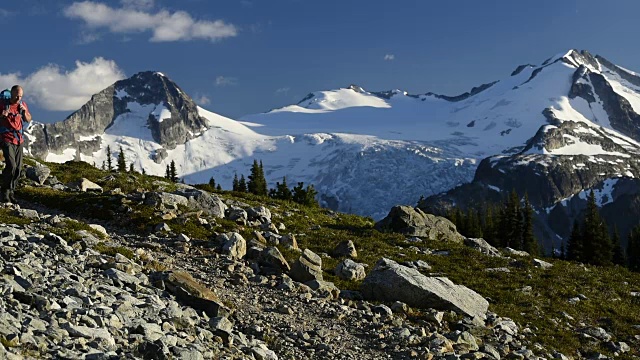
24, 109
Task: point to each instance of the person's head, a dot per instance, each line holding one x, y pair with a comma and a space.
16, 94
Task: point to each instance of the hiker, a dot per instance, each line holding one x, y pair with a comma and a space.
14, 112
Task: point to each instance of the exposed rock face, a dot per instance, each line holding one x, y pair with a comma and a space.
390, 281
414, 222
93, 118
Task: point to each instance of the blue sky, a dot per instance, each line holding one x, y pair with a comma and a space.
238, 57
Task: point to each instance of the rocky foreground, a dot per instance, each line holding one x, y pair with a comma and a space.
108, 293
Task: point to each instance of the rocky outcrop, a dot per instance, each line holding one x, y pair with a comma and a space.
414, 222
95, 117
390, 281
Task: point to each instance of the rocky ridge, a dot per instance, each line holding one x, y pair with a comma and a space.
224, 297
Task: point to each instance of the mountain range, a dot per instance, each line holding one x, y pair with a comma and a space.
553, 130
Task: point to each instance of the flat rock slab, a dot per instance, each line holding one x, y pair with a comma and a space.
390, 281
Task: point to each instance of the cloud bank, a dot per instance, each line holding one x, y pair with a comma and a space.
53, 88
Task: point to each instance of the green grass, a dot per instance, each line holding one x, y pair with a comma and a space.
113, 250
609, 303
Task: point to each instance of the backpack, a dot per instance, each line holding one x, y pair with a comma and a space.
6, 96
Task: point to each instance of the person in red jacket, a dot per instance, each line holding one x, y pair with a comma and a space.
14, 112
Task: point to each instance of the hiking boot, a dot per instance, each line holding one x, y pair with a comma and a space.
12, 197
4, 196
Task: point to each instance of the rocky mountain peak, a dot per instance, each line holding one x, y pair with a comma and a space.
148, 97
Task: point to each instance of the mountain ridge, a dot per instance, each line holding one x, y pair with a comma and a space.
367, 151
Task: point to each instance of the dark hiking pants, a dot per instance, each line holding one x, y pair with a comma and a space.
13, 163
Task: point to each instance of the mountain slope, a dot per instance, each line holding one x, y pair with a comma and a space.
366, 151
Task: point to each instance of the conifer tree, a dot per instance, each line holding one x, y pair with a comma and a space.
122, 163
131, 169
489, 230
257, 183
218, 187
305, 196
282, 191
104, 166
633, 249
234, 186
529, 242
263, 181
619, 257
167, 172
144, 172
242, 184
173, 173
109, 161
598, 249
575, 248
212, 182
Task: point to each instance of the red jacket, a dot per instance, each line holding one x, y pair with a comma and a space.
11, 126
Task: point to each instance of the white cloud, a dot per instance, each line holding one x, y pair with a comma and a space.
5, 13
226, 81
284, 90
138, 4
389, 57
203, 100
164, 25
88, 38
53, 88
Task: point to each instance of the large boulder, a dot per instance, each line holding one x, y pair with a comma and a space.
234, 245
85, 185
414, 222
191, 292
165, 200
307, 268
202, 200
390, 281
345, 248
38, 173
483, 246
350, 270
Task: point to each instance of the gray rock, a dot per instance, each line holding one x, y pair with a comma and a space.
123, 277
262, 352
542, 264
201, 200
235, 246
259, 213
235, 214
90, 333
38, 173
515, 252
324, 288
162, 227
483, 246
272, 257
289, 241
350, 270
390, 281
85, 185
27, 214
307, 268
345, 248
414, 222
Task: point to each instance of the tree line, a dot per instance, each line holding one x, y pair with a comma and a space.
592, 242
510, 224
257, 184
